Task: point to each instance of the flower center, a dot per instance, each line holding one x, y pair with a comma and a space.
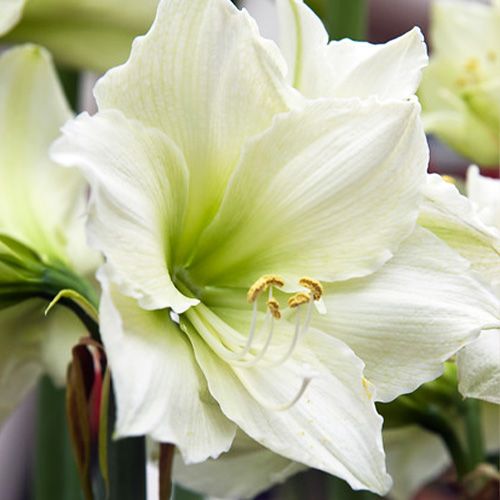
229, 345
476, 69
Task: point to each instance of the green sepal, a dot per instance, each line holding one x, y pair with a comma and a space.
78, 299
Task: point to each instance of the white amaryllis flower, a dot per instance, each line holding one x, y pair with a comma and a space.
346, 68
460, 91
86, 34
465, 226
231, 211
415, 456
41, 218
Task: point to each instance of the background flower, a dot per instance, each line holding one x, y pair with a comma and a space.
41, 226
460, 91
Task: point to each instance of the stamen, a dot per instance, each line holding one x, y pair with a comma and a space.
226, 354
308, 318
293, 344
491, 56
263, 351
266, 404
274, 308
313, 285
298, 299
262, 284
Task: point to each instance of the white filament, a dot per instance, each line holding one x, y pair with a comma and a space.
282, 407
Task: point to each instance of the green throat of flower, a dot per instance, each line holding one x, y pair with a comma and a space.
262, 346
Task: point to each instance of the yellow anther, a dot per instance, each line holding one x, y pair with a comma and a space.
461, 82
449, 179
491, 56
298, 299
471, 65
262, 284
313, 285
274, 308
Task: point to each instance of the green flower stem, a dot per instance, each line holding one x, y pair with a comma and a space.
346, 19
56, 476
70, 81
126, 463
431, 418
473, 432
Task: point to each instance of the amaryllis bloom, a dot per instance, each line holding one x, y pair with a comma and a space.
460, 91
41, 226
466, 226
86, 34
257, 244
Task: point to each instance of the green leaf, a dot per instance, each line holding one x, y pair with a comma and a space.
56, 476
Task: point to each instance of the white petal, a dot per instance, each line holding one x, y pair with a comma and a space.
20, 364
449, 215
159, 388
408, 318
414, 457
484, 193
60, 331
479, 367
243, 472
462, 29
391, 70
32, 344
10, 13
333, 426
346, 68
140, 182
329, 191
303, 41
205, 77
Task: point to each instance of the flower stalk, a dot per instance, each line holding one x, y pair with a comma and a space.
346, 19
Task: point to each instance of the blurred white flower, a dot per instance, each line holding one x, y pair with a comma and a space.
41, 224
85, 34
460, 91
